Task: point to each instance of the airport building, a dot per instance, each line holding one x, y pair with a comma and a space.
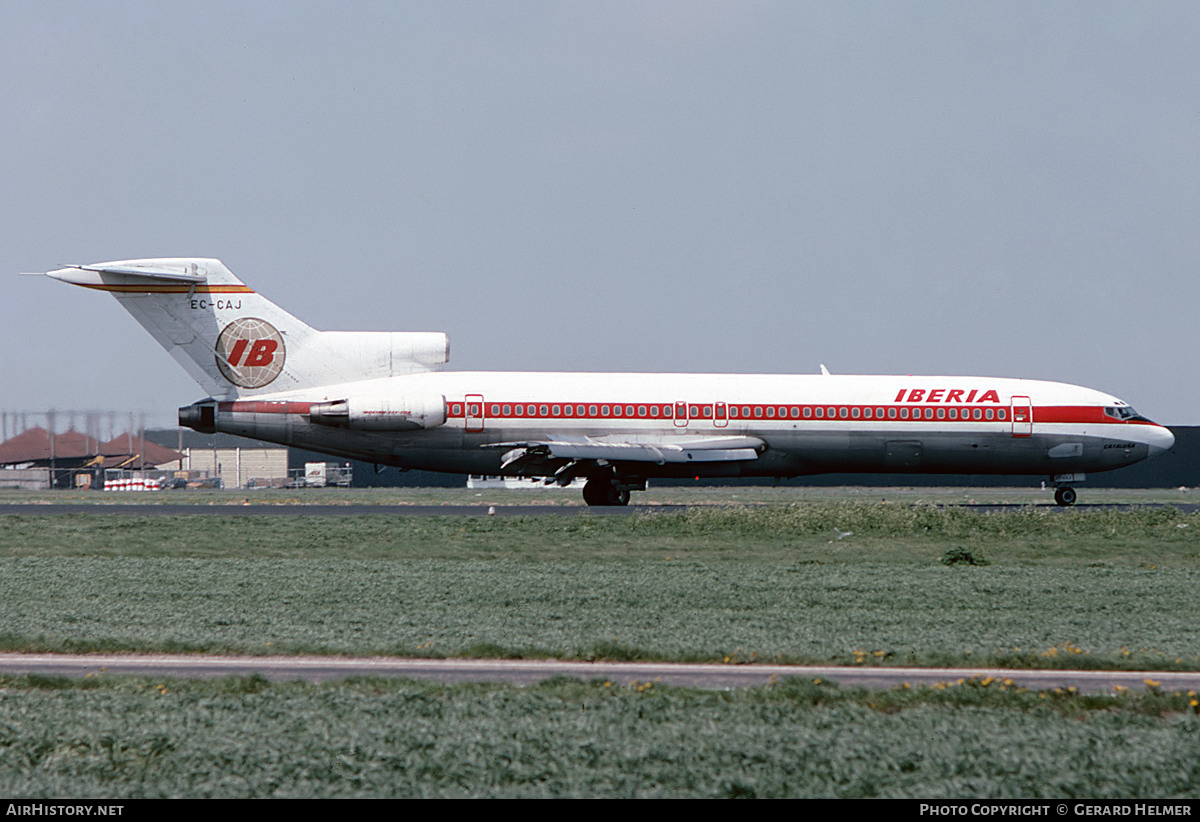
225, 461
40, 458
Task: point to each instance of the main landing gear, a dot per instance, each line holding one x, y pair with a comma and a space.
608, 490
604, 491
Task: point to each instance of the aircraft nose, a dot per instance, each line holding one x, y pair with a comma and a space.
1160, 439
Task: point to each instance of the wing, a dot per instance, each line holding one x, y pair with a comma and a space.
564, 456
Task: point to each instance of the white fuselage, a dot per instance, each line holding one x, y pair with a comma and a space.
809, 424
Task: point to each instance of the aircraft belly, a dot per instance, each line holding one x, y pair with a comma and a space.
952, 453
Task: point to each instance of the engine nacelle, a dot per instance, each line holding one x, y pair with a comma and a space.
391, 412
199, 416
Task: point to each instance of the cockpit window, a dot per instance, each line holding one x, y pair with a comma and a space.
1124, 413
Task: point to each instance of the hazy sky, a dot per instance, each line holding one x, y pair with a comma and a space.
1005, 189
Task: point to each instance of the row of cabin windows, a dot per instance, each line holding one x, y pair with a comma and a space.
855, 412
718, 412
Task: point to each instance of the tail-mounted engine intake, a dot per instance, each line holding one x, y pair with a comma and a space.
395, 412
199, 416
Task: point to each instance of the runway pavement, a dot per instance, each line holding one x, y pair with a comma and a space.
527, 671
323, 510
356, 510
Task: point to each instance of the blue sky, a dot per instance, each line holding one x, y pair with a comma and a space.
1005, 189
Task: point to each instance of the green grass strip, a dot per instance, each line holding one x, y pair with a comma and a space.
1060, 588
131, 738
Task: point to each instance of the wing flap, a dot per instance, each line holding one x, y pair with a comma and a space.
645, 452
659, 450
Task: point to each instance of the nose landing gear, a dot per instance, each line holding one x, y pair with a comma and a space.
1064, 495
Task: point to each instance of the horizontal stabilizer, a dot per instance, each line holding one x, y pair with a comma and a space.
191, 276
76, 273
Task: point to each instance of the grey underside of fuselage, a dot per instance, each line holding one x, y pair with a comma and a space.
787, 453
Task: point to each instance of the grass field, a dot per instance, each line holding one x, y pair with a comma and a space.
247, 738
776, 583
771, 581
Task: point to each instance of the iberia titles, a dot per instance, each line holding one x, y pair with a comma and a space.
946, 395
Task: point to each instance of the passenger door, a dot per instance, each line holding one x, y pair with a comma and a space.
474, 413
1022, 417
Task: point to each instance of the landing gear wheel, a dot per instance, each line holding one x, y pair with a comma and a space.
1064, 496
604, 491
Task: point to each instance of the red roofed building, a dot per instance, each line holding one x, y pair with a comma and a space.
39, 447
72, 454
128, 451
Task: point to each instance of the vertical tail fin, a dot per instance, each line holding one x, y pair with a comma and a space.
235, 342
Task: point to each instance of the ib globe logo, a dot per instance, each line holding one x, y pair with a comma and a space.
250, 352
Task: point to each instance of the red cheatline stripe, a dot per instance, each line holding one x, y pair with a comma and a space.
174, 289
780, 412
1080, 413
265, 407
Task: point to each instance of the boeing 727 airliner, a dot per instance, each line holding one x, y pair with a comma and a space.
382, 397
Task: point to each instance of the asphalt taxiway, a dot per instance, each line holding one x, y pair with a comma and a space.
529, 671
357, 510
324, 510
